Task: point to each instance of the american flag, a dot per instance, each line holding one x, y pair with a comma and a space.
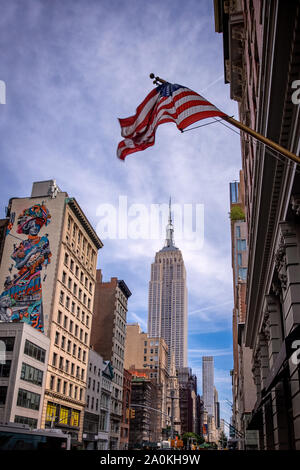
165, 103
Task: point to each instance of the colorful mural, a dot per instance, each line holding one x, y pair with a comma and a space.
21, 300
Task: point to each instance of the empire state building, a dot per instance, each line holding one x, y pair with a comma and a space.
167, 307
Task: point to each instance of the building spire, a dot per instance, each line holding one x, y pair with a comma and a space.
170, 229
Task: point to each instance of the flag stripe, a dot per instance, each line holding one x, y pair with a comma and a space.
129, 124
169, 103
177, 115
178, 100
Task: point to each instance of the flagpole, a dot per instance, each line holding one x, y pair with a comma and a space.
248, 130
262, 138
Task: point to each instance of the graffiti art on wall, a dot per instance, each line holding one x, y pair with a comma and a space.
21, 300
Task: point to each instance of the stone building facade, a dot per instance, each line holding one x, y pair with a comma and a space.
108, 339
261, 41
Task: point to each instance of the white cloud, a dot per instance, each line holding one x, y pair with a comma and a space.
73, 68
138, 319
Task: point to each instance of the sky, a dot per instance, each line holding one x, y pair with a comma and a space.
71, 68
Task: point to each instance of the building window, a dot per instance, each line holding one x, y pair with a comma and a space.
59, 314
63, 277
9, 342
3, 393
102, 421
72, 265
34, 351
74, 230
65, 387
63, 341
241, 245
63, 415
56, 338
51, 412
61, 363
31, 374
32, 423
238, 231
5, 368
28, 399
58, 385
239, 259
243, 273
61, 297
51, 382
54, 359
75, 418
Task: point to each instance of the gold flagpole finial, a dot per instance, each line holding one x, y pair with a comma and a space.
157, 80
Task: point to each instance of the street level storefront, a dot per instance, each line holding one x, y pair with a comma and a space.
65, 418
277, 394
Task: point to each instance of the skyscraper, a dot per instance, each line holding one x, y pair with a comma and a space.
167, 313
208, 384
